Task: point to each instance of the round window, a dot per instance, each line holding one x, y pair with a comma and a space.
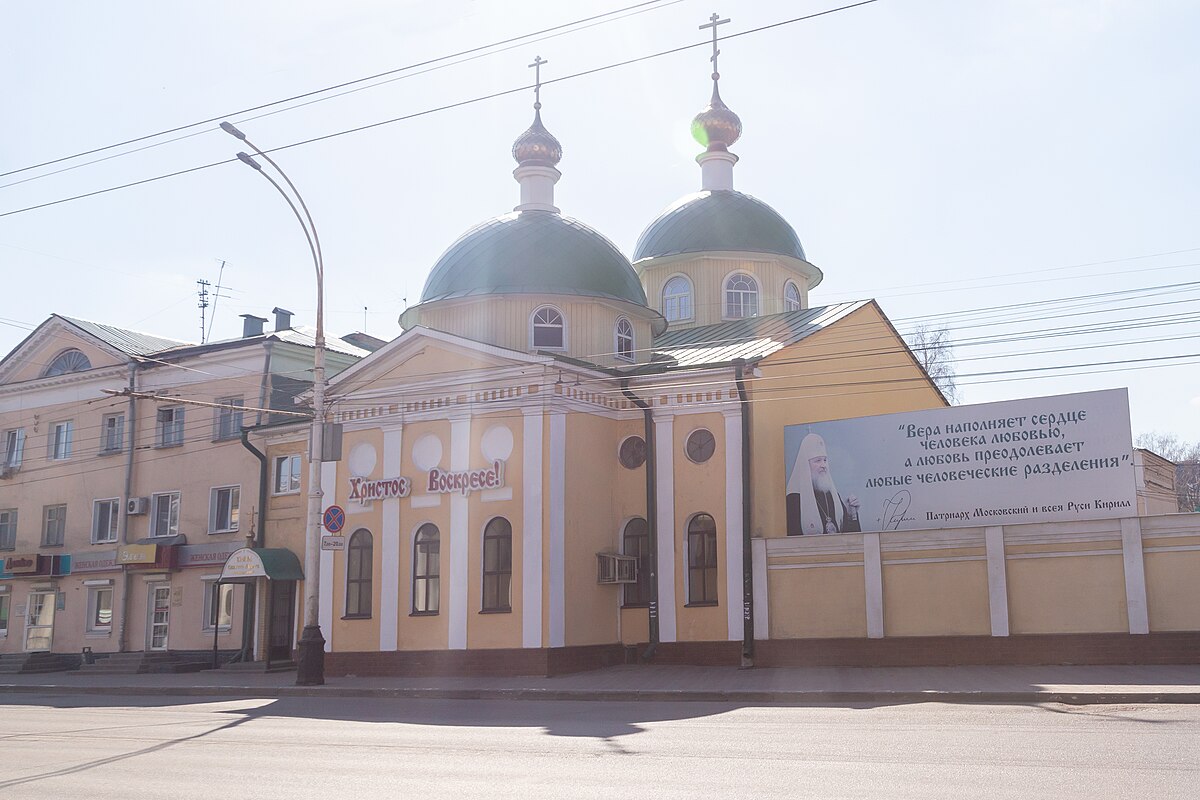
701, 445
633, 452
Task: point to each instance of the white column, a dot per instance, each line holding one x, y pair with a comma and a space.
664, 465
762, 618
389, 580
716, 170
558, 533
1135, 575
873, 573
325, 593
460, 537
531, 537
733, 524
997, 572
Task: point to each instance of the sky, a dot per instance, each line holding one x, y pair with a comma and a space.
1021, 172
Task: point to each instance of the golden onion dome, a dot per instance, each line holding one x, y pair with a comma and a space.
537, 146
716, 127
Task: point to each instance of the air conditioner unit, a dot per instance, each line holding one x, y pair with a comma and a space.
137, 505
613, 568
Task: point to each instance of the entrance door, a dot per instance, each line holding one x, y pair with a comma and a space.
283, 619
159, 617
39, 622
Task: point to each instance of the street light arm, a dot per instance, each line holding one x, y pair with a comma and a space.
317, 239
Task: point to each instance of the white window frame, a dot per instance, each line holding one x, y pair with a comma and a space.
62, 522
689, 295
534, 325
799, 296
90, 624
618, 336
169, 433
8, 528
235, 493
228, 408
14, 447
114, 517
173, 497
744, 296
294, 462
58, 441
208, 609
112, 433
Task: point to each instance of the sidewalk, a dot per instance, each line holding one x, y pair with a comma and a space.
824, 685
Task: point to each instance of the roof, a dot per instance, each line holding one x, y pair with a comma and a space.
718, 221
750, 339
302, 335
129, 342
533, 252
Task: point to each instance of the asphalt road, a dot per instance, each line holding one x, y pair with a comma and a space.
64, 746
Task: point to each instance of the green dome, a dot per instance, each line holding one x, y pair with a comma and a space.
718, 221
533, 252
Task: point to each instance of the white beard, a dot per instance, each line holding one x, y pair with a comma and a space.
822, 482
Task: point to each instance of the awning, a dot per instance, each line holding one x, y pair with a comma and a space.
275, 563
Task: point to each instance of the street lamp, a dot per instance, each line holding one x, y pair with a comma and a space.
310, 671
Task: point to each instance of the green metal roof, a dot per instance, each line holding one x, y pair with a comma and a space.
533, 252
129, 342
718, 221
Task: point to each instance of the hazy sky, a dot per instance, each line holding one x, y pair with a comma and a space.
962, 162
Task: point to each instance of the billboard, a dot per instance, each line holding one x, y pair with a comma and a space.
1043, 459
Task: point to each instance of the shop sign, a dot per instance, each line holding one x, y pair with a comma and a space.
466, 481
363, 490
1047, 459
244, 563
23, 564
206, 555
101, 561
137, 554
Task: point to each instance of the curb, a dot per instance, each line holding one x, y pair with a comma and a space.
631, 695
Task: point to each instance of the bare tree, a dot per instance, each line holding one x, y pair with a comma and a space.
935, 352
1186, 456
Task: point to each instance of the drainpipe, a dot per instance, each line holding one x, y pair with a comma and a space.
249, 599
651, 513
747, 504
131, 432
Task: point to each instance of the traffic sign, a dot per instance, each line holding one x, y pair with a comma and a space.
333, 542
334, 519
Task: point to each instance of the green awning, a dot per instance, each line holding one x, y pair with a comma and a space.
275, 563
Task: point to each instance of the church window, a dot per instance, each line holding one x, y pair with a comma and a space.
624, 339
497, 565
741, 296
791, 297
67, 361
426, 570
677, 299
635, 541
633, 452
358, 575
702, 561
548, 329
701, 445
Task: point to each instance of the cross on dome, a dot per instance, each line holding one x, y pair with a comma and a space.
537, 146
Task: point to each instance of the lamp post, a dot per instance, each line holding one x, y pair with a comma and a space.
310, 670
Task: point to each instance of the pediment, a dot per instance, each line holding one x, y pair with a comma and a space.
29, 360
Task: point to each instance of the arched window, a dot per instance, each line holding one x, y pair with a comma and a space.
358, 574
624, 339
677, 299
791, 297
548, 329
67, 361
497, 565
427, 570
702, 560
635, 541
741, 296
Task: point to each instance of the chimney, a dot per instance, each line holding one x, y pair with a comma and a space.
252, 325
283, 318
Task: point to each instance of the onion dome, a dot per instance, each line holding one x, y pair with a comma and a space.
716, 127
537, 147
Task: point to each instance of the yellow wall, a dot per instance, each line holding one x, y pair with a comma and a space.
708, 285
1173, 590
699, 488
797, 386
936, 599
817, 603
1067, 594
54, 344
423, 632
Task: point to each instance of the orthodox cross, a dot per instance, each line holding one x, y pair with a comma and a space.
713, 22
537, 80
